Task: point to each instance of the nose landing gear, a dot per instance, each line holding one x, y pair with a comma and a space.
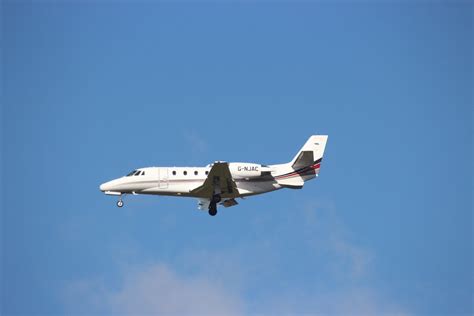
120, 201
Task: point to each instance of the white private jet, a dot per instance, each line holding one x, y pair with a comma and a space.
222, 182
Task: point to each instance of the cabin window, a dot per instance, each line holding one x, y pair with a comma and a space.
143, 173
195, 173
185, 172
174, 173
207, 172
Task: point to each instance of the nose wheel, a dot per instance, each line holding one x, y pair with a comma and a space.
120, 202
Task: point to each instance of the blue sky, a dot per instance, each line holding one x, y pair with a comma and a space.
93, 90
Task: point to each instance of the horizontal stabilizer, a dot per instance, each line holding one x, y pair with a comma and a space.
291, 183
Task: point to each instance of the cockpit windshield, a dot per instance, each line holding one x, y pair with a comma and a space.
131, 173
136, 173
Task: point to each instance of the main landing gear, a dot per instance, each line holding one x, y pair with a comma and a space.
213, 209
213, 205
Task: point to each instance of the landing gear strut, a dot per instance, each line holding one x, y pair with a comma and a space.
213, 205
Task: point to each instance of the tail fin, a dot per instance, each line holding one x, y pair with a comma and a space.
311, 153
306, 163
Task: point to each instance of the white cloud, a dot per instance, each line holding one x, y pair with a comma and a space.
328, 232
153, 290
341, 283
234, 282
357, 258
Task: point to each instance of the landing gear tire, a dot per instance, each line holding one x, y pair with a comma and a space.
119, 203
213, 210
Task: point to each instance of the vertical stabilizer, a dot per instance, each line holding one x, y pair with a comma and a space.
311, 152
305, 165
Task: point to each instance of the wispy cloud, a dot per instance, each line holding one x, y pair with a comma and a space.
153, 290
346, 287
240, 280
357, 258
328, 231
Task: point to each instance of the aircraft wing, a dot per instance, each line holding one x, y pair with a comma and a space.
218, 181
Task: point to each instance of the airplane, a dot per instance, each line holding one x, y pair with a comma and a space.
222, 182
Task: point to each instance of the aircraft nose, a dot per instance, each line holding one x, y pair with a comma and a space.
103, 187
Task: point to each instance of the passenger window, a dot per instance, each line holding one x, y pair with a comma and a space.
195, 173
207, 172
185, 172
174, 173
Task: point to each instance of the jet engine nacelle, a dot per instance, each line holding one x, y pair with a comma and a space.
247, 170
